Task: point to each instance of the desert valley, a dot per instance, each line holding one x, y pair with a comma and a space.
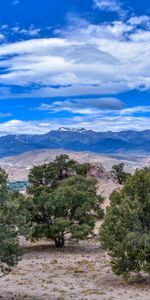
74, 150
81, 270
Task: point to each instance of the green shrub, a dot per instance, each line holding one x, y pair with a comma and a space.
125, 232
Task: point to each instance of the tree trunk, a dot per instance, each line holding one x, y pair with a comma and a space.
59, 243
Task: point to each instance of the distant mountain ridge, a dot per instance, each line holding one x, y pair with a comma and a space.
78, 139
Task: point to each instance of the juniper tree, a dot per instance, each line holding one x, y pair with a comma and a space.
119, 174
10, 220
47, 176
63, 204
125, 232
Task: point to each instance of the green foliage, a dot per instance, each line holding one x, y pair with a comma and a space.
64, 203
125, 232
47, 176
3, 177
82, 169
12, 219
119, 174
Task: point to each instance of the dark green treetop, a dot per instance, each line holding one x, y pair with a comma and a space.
119, 174
64, 203
125, 232
12, 219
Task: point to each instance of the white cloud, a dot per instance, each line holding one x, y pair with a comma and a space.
138, 20
4, 26
86, 59
60, 106
112, 123
82, 106
2, 37
134, 110
23, 127
101, 120
31, 31
110, 5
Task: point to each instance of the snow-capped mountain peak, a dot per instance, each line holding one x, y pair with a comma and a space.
72, 129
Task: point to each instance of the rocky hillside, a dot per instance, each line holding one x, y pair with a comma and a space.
19, 166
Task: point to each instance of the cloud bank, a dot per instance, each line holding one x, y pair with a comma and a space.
81, 68
84, 60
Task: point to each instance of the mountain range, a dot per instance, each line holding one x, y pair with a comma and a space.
78, 140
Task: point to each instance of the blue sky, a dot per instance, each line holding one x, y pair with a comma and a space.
74, 63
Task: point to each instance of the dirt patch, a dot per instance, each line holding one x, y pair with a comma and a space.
79, 271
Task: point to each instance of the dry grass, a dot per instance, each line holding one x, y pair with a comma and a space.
79, 271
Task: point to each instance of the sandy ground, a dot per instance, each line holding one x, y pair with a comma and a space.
105, 188
79, 271
18, 167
